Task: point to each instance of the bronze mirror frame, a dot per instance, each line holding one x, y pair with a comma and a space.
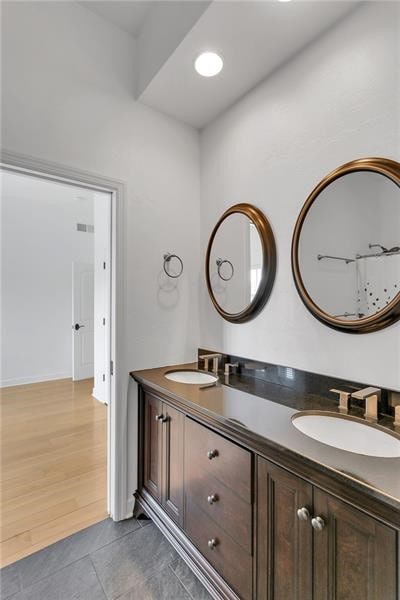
388, 315
269, 262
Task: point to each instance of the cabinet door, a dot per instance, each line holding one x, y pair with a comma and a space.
172, 489
284, 542
355, 555
152, 442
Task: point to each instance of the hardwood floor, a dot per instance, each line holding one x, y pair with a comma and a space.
53, 464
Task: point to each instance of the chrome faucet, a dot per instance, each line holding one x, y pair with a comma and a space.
215, 358
371, 396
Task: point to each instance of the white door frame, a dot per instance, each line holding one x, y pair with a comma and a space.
117, 451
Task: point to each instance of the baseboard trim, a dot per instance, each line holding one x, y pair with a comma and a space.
130, 505
96, 396
36, 379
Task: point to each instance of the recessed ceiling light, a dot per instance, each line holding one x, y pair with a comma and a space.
208, 64
284, 0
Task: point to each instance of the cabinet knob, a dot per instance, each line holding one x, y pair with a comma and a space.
159, 417
303, 513
318, 523
212, 543
212, 454
212, 498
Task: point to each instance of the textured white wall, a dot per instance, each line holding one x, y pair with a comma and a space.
68, 97
74, 105
39, 244
336, 101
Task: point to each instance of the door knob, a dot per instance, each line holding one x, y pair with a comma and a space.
212, 543
318, 523
212, 498
159, 417
303, 513
212, 454
77, 327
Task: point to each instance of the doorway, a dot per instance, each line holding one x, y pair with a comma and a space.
56, 368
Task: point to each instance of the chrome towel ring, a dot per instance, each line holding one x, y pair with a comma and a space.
168, 256
221, 262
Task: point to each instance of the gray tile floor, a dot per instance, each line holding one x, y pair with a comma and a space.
130, 560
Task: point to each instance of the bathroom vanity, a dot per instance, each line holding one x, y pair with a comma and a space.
257, 509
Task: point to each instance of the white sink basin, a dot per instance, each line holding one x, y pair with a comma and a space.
348, 434
193, 377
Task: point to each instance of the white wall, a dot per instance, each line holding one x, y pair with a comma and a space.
39, 243
68, 97
336, 101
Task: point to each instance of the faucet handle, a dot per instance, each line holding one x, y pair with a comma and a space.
228, 367
205, 359
344, 398
397, 416
215, 356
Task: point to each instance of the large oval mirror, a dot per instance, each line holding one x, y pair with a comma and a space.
346, 247
241, 263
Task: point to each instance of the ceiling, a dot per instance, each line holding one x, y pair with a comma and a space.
253, 38
128, 15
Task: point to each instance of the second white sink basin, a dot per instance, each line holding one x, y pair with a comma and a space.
348, 434
193, 377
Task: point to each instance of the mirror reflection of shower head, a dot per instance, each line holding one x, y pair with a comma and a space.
378, 246
385, 250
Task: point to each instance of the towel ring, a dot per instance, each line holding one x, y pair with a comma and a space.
167, 257
220, 262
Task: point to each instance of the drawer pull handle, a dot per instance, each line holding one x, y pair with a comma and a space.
318, 523
159, 417
212, 543
212, 498
303, 514
212, 454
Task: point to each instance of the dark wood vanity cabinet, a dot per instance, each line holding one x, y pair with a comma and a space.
285, 542
312, 545
355, 556
218, 504
163, 431
253, 530
152, 445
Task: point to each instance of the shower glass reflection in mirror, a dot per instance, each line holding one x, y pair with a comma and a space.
349, 247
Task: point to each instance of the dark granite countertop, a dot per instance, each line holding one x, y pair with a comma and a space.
266, 409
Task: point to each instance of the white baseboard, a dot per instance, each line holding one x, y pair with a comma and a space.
34, 379
97, 396
130, 505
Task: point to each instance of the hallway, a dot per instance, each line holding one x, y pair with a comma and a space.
54, 464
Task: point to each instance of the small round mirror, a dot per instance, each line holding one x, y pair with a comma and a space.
240, 263
346, 247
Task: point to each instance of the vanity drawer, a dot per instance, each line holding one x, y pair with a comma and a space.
227, 557
220, 504
227, 462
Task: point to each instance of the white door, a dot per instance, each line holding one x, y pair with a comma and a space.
82, 321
